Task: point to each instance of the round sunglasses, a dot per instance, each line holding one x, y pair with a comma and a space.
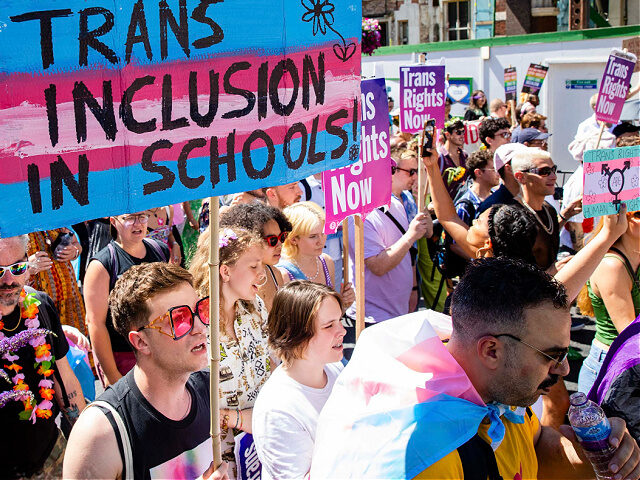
17, 269
272, 240
181, 319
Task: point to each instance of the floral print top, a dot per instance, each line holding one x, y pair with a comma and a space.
245, 366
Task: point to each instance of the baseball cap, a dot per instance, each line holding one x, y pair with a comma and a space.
503, 154
528, 134
624, 127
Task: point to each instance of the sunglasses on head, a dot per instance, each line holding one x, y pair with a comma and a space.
411, 172
542, 171
17, 269
181, 319
272, 240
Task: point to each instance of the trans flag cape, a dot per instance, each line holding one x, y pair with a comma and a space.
400, 405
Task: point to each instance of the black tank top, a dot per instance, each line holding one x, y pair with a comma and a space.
175, 448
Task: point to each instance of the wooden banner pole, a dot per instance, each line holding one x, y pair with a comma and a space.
600, 135
345, 252
359, 275
513, 113
214, 329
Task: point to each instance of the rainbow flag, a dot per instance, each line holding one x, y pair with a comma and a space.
400, 405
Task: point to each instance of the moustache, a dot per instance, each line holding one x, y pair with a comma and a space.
551, 381
9, 287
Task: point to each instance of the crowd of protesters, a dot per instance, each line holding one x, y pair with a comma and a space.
131, 292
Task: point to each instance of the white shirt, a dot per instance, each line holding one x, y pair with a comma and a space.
284, 423
572, 190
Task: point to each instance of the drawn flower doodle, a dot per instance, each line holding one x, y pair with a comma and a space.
354, 152
603, 183
320, 13
634, 181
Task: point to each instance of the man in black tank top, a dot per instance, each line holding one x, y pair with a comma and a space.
155, 422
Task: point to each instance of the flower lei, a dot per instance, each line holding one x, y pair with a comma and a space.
36, 337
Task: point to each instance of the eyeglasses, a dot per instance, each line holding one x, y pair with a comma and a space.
411, 172
538, 143
140, 218
181, 319
460, 131
542, 171
17, 269
558, 359
272, 240
488, 169
504, 134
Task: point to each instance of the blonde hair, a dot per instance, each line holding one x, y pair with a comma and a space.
524, 159
229, 255
304, 217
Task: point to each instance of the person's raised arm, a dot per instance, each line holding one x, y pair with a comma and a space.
444, 207
96, 299
577, 271
73, 390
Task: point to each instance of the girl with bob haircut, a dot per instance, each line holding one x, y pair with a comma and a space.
304, 259
306, 333
245, 362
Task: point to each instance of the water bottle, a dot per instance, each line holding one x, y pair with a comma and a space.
64, 240
592, 428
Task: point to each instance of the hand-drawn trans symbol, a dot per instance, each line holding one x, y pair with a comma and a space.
615, 182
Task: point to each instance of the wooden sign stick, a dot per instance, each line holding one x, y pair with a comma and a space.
359, 275
345, 251
214, 330
600, 135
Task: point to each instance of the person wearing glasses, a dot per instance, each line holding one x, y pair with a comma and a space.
112, 352
453, 159
532, 137
246, 362
478, 107
273, 227
494, 132
153, 422
32, 422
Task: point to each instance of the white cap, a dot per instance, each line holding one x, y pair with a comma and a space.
504, 153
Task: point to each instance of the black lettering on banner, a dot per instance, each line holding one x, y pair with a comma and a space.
187, 181
199, 14
263, 90
168, 177
167, 107
138, 20
126, 112
89, 38
338, 132
309, 74
79, 189
52, 113
230, 89
214, 91
354, 123
246, 155
46, 35
286, 145
181, 31
314, 157
33, 179
283, 66
105, 114
229, 159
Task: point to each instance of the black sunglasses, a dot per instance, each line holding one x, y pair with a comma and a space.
542, 171
181, 319
411, 172
272, 240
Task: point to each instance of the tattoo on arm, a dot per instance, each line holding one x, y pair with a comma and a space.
72, 412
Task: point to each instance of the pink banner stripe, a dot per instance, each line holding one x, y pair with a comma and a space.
630, 194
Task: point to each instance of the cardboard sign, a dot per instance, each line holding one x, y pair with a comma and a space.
365, 185
109, 110
510, 83
611, 177
534, 78
422, 96
614, 86
472, 141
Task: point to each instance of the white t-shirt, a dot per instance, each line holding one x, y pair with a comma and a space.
572, 190
284, 422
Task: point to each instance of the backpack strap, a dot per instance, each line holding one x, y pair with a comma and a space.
114, 266
478, 460
627, 264
155, 246
413, 251
121, 435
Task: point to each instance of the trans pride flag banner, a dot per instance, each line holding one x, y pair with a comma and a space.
401, 404
115, 107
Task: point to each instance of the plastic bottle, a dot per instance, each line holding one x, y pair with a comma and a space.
592, 428
64, 241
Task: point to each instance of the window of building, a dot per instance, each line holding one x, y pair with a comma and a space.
458, 20
384, 32
403, 32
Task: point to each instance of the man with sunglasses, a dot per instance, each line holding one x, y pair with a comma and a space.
164, 400
452, 154
31, 444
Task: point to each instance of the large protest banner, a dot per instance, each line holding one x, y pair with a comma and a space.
365, 185
109, 108
533, 80
614, 86
611, 177
422, 96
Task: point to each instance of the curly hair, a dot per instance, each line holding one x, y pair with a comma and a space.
490, 126
532, 120
478, 159
253, 217
513, 232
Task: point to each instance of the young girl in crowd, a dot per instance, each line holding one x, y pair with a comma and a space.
305, 331
303, 256
113, 354
160, 228
245, 363
612, 295
270, 224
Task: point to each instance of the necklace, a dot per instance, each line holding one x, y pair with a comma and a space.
311, 279
2, 327
548, 229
